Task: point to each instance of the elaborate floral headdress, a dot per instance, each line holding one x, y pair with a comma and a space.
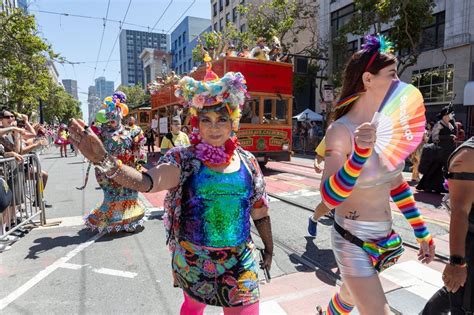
113, 108
213, 94
374, 45
230, 91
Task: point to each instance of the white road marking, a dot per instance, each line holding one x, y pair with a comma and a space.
300, 193
45, 272
415, 278
71, 266
114, 272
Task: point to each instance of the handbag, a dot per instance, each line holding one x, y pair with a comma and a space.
383, 253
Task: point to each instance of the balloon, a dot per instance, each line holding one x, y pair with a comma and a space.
100, 116
124, 108
108, 99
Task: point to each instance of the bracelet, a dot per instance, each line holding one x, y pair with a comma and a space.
115, 173
151, 181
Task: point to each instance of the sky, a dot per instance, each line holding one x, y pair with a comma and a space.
78, 39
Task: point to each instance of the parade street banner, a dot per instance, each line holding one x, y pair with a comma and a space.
254, 139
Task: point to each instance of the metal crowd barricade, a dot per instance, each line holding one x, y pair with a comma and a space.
25, 182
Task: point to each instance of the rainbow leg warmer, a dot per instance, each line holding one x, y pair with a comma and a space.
339, 186
337, 306
403, 198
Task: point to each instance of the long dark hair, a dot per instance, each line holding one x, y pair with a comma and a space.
355, 68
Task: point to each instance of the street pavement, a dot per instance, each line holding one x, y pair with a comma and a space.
64, 269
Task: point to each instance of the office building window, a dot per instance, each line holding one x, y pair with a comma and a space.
435, 84
433, 35
301, 65
221, 24
234, 15
227, 18
215, 27
184, 37
220, 5
242, 28
190, 63
214, 9
179, 55
341, 56
227, 2
179, 40
340, 18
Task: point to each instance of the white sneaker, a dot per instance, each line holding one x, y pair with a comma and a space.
4, 247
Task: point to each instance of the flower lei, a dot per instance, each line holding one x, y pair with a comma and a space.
213, 156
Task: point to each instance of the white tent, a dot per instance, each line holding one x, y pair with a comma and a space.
308, 115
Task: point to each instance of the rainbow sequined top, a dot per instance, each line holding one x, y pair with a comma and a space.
216, 208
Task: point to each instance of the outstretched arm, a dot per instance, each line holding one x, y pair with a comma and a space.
162, 177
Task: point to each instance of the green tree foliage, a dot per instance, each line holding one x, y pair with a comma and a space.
23, 62
59, 106
136, 96
405, 18
284, 19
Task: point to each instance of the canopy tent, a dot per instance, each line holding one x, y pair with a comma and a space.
308, 115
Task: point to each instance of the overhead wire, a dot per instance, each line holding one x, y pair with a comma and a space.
91, 17
162, 14
102, 38
192, 3
116, 38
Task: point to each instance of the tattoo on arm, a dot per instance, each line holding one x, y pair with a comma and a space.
352, 215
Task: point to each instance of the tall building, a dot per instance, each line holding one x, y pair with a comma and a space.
132, 44
8, 5
103, 88
183, 41
93, 102
71, 87
444, 71
225, 11
155, 63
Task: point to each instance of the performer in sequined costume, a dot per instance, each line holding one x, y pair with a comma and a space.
120, 209
215, 187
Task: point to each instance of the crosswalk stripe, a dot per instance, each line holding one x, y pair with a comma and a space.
415, 278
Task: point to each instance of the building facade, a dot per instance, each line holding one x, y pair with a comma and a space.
184, 39
8, 5
103, 88
132, 44
93, 103
446, 64
224, 12
155, 63
71, 87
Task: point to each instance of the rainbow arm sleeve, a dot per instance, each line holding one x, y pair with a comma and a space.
338, 187
403, 198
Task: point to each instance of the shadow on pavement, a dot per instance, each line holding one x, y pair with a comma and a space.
44, 244
324, 258
433, 199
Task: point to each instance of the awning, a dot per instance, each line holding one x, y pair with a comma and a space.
308, 115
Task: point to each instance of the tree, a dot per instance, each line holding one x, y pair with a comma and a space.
23, 62
406, 18
59, 106
136, 96
285, 19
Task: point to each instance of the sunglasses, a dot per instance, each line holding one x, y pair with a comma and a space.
8, 116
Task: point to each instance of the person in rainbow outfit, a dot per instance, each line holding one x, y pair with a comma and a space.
359, 186
120, 209
214, 189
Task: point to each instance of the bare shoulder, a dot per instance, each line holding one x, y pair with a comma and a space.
462, 161
338, 139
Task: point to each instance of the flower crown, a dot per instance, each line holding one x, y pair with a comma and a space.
229, 90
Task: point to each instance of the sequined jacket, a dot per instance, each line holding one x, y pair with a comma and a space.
185, 159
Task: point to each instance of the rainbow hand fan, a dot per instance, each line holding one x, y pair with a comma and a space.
400, 123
